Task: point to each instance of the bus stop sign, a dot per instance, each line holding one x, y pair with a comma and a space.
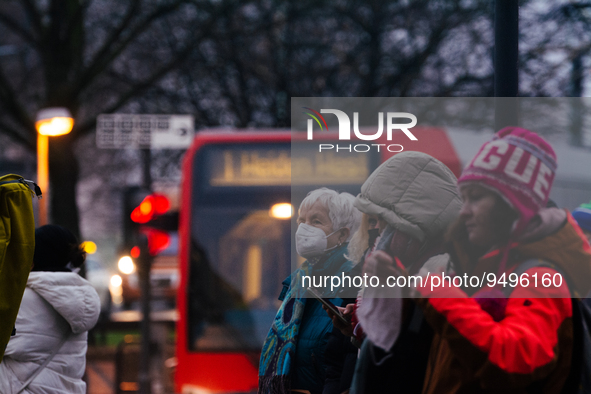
136, 131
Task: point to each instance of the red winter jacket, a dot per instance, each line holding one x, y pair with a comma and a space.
530, 346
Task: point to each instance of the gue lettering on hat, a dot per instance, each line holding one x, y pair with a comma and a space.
520, 166
517, 164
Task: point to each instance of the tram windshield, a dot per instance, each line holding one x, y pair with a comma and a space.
239, 252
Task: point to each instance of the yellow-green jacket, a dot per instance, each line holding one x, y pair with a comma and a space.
17, 245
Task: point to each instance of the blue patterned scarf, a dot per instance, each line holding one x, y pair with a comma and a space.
279, 347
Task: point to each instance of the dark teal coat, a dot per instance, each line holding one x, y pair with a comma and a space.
309, 369
308, 372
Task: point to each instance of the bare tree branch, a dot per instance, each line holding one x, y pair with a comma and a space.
114, 48
12, 104
34, 17
137, 88
17, 136
13, 25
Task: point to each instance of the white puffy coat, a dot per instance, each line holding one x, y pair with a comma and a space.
55, 304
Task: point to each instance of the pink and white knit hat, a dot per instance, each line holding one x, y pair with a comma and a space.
520, 166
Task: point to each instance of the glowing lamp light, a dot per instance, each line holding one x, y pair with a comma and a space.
152, 205
89, 247
50, 122
116, 281
54, 121
126, 265
281, 211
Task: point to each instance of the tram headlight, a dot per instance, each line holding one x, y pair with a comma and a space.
126, 265
281, 211
116, 281
116, 289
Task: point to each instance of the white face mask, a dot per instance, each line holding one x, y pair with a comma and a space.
311, 241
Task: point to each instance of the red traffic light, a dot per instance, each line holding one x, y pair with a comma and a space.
135, 252
151, 206
157, 240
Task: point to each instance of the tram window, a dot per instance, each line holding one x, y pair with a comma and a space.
238, 259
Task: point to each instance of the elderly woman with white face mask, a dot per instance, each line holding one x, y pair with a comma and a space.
292, 358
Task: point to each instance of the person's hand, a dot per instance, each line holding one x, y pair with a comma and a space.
380, 264
434, 267
347, 313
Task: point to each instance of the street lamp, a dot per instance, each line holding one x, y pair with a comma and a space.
50, 122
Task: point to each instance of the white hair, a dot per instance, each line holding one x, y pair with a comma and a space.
359, 241
340, 208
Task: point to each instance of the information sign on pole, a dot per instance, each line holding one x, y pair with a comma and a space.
136, 131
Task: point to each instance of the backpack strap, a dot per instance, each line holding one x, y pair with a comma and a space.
533, 263
29, 184
42, 366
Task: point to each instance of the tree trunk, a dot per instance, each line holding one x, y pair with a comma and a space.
63, 177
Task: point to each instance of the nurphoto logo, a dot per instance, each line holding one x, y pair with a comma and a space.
345, 130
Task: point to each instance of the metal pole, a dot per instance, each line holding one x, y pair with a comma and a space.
576, 127
145, 263
146, 168
506, 52
144, 267
43, 176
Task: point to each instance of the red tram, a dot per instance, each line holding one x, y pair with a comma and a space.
235, 249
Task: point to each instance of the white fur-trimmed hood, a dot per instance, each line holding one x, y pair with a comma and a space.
70, 295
